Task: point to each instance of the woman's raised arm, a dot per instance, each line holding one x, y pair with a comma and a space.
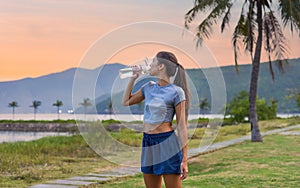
128, 97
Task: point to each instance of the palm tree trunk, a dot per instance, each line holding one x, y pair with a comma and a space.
85, 109
13, 113
255, 132
57, 112
34, 114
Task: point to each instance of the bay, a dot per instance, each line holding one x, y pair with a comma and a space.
13, 136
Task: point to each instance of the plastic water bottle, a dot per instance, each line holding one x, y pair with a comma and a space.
129, 72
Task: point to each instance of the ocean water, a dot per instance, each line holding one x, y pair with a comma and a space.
91, 117
95, 117
12, 136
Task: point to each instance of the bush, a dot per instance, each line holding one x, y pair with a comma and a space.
238, 108
109, 121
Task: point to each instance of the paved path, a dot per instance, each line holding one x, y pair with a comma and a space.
93, 178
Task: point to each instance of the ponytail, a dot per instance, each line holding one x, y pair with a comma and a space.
177, 74
181, 81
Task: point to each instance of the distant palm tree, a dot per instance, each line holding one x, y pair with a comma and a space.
110, 109
35, 105
86, 103
58, 104
257, 24
204, 105
13, 105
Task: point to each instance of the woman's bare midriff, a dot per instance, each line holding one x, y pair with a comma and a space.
159, 128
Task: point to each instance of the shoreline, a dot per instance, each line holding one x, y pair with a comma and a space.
38, 127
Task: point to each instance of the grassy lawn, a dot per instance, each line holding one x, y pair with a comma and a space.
25, 163
273, 163
236, 131
28, 163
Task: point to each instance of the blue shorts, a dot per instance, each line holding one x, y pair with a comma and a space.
161, 154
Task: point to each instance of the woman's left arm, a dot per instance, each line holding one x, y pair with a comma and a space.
183, 136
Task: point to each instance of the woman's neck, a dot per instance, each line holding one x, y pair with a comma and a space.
163, 82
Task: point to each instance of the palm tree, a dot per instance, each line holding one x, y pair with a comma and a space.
35, 105
86, 103
110, 109
13, 105
204, 105
257, 24
58, 104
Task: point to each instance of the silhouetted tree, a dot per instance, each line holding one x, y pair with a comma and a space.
35, 105
86, 103
110, 109
13, 105
204, 105
58, 104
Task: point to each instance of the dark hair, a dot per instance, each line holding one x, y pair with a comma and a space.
171, 63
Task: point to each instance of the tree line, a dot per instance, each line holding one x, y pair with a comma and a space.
36, 104
236, 109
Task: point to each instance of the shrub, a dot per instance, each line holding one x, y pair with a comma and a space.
238, 108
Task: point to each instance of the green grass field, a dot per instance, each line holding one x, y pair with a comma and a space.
25, 163
273, 163
28, 163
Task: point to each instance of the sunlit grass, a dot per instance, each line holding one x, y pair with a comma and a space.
273, 163
236, 131
24, 163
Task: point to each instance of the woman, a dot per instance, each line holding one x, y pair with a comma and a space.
164, 155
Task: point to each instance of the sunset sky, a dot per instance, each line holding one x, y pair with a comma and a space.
39, 37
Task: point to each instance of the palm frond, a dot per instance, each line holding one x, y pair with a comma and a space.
266, 3
239, 34
274, 40
226, 18
236, 50
251, 26
218, 8
199, 40
199, 6
271, 69
237, 38
290, 13
268, 47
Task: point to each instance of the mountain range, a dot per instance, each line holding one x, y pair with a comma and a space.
103, 85
56, 86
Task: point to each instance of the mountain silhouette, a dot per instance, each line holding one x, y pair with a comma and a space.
103, 85
56, 86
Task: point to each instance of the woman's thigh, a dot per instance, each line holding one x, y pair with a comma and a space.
152, 181
172, 180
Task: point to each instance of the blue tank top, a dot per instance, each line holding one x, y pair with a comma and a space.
160, 102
